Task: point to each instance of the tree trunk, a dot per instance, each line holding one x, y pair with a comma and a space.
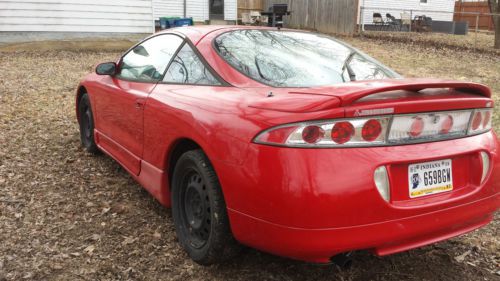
496, 22
495, 9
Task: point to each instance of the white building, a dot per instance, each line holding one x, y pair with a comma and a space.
438, 10
199, 10
120, 16
104, 17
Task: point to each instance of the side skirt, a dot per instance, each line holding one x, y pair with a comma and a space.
154, 180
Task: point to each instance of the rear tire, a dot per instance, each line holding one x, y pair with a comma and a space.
87, 125
199, 211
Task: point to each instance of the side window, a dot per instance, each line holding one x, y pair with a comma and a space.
187, 68
148, 61
364, 69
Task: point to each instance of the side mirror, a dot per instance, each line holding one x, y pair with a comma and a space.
141, 51
107, 68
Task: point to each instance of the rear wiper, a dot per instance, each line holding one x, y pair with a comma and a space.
346, 65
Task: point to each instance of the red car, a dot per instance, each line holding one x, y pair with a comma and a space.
293, 143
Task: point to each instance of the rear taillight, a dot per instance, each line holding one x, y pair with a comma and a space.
381, 130
342, 132
354, 132
447, 125
312, 134
481, 121
371, 130
424, 126
416, 127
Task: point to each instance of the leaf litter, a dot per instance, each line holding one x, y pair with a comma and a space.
68, 215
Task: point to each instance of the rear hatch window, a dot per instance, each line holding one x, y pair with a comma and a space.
297, 59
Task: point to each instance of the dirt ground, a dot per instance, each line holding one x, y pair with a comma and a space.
67, 215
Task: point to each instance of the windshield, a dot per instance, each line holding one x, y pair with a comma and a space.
296, 59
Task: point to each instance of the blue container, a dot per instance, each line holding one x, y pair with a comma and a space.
183, 22
167, 22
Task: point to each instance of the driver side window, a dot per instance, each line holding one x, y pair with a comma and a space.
148, 61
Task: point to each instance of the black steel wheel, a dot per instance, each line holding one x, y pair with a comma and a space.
86, 119
199, 211
196, 211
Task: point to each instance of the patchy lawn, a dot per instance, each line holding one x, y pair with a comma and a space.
480, 42
67, 215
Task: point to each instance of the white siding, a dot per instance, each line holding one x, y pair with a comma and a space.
168, 8
130, 16
230, 9
396, 7
197, 9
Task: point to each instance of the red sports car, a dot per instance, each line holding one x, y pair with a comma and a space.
293, 143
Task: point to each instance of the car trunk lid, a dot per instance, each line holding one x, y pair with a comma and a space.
378, 97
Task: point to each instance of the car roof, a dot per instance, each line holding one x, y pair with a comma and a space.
197, 32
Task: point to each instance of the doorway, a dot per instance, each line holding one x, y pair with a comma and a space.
216, 9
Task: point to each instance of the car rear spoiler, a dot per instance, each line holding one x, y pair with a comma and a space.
351, 92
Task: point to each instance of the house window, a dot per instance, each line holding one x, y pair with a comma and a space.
424, 1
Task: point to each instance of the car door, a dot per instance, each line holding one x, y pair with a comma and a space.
122, 98
189, 82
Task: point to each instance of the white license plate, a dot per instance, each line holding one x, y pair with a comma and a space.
430, 178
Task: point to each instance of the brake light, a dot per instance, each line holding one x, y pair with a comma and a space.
342, 132
481, 122
487, 119
371, 130
312, 134
379, 131
476, 122
410, 128
447, 125
417, 126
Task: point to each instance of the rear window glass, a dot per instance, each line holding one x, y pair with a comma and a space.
296, 59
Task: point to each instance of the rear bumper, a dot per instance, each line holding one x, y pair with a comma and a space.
384, 238
311, 204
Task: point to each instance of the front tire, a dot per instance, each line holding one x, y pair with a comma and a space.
87, 125
199, 211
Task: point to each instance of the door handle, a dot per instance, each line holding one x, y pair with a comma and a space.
139, 103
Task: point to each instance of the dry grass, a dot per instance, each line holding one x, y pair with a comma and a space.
66, 215
93, 45
480, 42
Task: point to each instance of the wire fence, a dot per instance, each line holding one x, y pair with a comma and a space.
428, 21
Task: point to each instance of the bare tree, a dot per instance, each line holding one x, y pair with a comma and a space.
495, 9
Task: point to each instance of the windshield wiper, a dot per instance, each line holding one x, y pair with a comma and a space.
346, 65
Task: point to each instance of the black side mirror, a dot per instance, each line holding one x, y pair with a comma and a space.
141, 51
107, 68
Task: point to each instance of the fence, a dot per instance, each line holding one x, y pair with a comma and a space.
470, 20
485, 21
246, 6
329, 16
377, 18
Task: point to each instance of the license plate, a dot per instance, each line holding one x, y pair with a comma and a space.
430, 178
